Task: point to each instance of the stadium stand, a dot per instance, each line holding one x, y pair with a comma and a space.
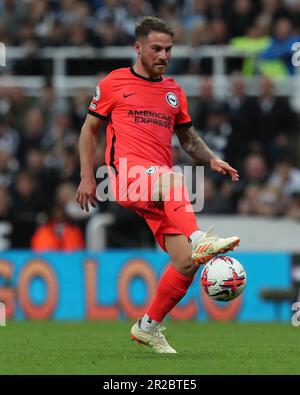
56, 51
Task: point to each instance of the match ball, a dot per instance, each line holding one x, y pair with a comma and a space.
223, 278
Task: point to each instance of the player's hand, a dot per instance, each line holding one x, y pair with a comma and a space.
222, 167
86, 193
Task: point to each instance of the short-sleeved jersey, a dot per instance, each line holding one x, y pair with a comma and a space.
141, 114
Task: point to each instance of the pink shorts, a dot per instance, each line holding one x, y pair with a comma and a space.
135, 194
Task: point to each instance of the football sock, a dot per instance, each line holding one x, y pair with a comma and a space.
148, 324
180, 211
195, 237
170, 290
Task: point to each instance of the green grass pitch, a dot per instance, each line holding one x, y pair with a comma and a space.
103, 347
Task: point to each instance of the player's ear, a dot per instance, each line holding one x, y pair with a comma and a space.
138, 47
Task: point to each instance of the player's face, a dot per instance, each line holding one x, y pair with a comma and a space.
155, 52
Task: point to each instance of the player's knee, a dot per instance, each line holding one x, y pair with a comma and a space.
166, 182
177, 180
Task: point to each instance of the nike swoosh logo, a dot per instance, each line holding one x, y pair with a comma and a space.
130, 94
177, 208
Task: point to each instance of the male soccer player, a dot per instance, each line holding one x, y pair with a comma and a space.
143, 108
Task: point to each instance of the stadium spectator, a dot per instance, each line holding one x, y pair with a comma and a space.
62, 133
32, 133
277, 58
41, 17
19, 105
5, 205
254, 176
62, 137
8, 166
28, 203
248, 202
78, 105
270, 202
9, 138
69, 171
255, 41
241, 17
74, 12
46, 177
286, 178
255, 170
240, 112
110, 23
50, 105
294, 9
57, 35
65, 196
205, 103
30, 64
167, 10
136, 9
265, 201
218, 32
111, 11
273, 9
272, 117
217, 9
199, 35
78, 36
26, 33
218, 130
214, 202
58, 234
108, 33
11, 14
194, 13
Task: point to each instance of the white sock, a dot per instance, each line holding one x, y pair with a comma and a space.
195, 237
147, 324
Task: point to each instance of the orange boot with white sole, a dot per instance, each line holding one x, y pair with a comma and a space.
210, 245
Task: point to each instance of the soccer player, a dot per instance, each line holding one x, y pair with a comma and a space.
143, 108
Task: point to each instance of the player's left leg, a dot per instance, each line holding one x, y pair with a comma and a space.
171, 190
171, 288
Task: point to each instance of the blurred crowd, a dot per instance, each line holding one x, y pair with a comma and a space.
267, 28
257, 135
39, 162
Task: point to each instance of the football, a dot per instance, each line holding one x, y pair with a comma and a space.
223, 278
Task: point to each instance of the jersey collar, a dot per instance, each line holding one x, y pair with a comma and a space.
145, 78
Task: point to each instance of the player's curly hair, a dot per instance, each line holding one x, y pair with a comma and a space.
152, 24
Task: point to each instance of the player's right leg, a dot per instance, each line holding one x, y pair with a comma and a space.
170, 188
152, 338
171, 288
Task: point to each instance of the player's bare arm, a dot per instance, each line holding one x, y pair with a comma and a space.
193, 144
87, 146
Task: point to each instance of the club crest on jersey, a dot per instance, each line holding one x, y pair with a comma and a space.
151, 170
172, 99
97, 94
